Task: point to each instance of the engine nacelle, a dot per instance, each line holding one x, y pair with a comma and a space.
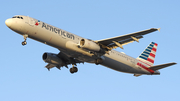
89, 45
52, 59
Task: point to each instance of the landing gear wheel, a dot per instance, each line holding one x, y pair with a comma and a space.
73, 70
24, 43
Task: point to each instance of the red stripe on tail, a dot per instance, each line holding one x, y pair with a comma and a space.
154, 49
151, 54
141, 65
150, 60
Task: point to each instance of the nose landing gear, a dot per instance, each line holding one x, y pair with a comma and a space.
24, 43
25, 38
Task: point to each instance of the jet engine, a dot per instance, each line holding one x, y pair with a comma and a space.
52, 59
89, 45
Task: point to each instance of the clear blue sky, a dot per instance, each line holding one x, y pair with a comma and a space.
24, 78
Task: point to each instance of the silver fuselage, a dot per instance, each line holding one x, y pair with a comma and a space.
68, 43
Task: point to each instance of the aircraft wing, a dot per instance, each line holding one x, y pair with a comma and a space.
68, 59
119, 41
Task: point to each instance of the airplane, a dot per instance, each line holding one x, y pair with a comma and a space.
75, 49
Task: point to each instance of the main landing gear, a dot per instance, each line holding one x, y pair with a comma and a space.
73, 69
25, 38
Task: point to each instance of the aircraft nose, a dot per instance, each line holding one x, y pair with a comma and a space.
8, 22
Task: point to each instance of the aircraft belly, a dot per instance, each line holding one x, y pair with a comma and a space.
108, 62
121, 65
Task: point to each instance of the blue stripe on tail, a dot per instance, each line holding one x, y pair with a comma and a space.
146, 52
142, 57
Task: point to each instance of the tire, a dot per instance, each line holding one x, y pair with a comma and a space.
75, 69
71, 70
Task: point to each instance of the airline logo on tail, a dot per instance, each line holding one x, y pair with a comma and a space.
149, 54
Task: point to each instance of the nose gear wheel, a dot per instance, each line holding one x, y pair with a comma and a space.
24, 43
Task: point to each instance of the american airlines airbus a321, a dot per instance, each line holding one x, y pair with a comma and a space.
75, 49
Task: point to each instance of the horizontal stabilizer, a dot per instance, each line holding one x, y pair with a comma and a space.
157, 67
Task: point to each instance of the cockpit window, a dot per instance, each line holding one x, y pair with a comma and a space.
17, 17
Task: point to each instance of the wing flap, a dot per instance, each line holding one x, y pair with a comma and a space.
157, 67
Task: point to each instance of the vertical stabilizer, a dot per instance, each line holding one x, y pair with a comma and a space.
148, 55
